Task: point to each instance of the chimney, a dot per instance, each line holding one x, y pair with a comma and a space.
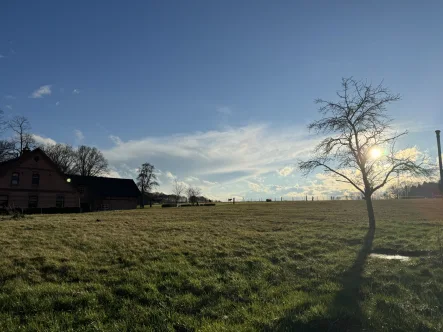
437, 132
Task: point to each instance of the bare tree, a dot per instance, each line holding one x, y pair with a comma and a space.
360, 147
64, 156
193, 193
89, 161
22, 138
178, 188
6, 150
6, 147
146, 180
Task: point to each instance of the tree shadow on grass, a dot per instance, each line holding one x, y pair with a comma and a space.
344, 313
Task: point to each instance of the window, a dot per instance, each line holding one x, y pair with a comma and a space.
33, 201
4, 201
15, 180
60, 201
81, 189
36, 179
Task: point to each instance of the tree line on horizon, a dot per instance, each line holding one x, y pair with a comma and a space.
147, 181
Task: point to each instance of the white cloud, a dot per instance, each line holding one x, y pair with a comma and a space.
10, 97
112, 173
115, 139
9, 107
224, 110
170, 176
285, 171
75, 91
79, 135
257, 187
41, 91
220, 160
2, 56
192, 179
57, 103
40, 140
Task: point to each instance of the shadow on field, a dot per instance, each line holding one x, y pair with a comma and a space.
344, 313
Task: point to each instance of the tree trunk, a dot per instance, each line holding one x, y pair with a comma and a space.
142, 203
370, 209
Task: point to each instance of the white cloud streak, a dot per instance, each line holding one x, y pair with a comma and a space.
41, 140
285, 171
216, 158
44, 90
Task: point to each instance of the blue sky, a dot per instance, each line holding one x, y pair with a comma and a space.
215, 93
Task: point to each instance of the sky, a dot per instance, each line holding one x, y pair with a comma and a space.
215, 93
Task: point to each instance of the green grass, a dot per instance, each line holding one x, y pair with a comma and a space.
295, 266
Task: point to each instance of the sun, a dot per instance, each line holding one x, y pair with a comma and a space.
375, 153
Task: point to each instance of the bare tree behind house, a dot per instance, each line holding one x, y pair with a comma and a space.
193, 193
360, 145
146, 180
178, 188
6, 150
22, 137
64, 156
89, 161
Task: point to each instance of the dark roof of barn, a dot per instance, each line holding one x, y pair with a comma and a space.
106, 187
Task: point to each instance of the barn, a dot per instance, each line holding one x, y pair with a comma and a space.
102, 193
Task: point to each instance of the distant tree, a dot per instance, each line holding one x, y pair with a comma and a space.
193, 193
6, 150
64, 156
6, 147
22, 137
146, 180
89, 161
358, 131
178, 188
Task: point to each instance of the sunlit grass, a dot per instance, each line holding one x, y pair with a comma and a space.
243, 267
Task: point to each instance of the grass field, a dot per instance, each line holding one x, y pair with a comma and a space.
298, 266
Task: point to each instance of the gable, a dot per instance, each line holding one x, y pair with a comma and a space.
35, 162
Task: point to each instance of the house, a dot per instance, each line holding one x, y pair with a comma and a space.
34, 181
101, 193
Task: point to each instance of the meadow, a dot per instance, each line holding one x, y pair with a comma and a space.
283, 266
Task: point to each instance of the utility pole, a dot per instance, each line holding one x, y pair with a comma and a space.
437, 132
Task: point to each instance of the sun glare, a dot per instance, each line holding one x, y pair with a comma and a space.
375, 153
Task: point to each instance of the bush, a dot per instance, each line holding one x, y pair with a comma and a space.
207, 204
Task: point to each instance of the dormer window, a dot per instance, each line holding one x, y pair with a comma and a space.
15, 179
35, 179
